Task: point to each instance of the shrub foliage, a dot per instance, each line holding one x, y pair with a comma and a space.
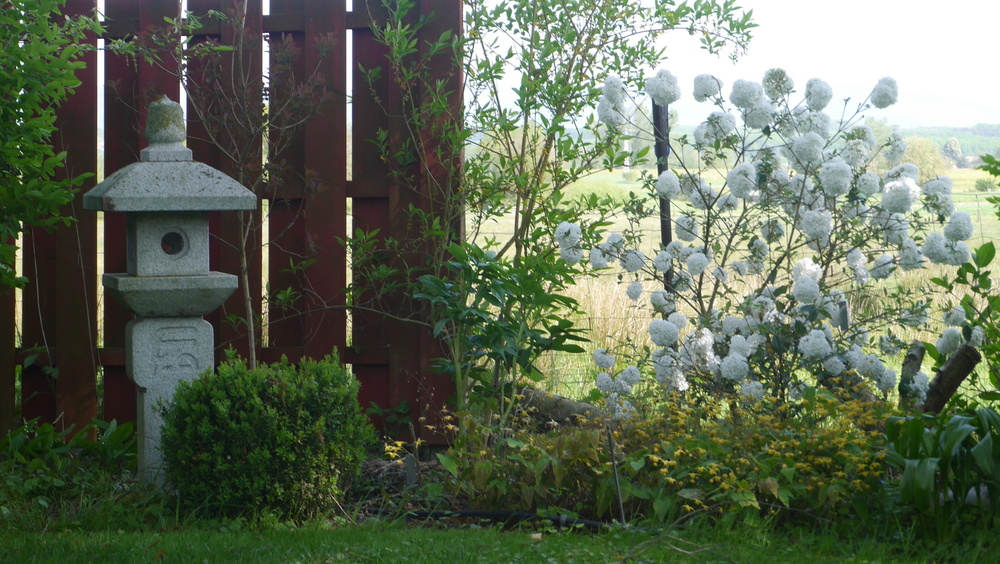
282, 438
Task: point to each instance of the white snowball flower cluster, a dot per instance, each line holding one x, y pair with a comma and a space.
687, 228
663, 88
818, 94
662, 301
746, 94
949, 341
817, 225
885, 93
697, 263
734, 367
706, 86
611, 106
898, 195
942, 250
667, 185
632, 260
815, 345
859, 264
835, 177
752, 390
806, 290
715, 128
777, 84
634, 290
807, 150
603, 359
937, 196
568, 236
663, 333
959, 227
882, 267
742, 180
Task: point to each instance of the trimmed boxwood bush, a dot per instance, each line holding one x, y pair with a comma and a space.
283, 438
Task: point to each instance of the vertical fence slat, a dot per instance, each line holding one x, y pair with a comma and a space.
8, 362
76, 252
326, 162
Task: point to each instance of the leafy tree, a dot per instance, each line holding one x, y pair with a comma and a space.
926, 155
39, 57
952, 151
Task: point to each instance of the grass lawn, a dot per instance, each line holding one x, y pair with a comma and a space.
400, 543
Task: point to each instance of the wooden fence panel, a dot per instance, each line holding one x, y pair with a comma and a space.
308, 221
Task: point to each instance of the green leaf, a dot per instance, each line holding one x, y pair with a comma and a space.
984, 254
449, 463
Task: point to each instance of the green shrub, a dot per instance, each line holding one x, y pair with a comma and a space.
985, 185
282, 438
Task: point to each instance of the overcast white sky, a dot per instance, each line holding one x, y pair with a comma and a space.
945, 56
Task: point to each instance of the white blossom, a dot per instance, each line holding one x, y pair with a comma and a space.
603, 359
663, 333
614, 89
663, 261
752, 390
598, 259
662, 301
959, 227
815, 345
806, 290
910, 257
817, 225
706, 86
696, 263
678, 319
835, 177
568, 234
976, 337
605, 383
571, 255
833, 366
898, 195
742, 180
885, 93
687, 228
633, 260
746, 94
807, 149
818, 94
949, 341
634, 290
759, 116
734, 367
777, 83
882, 267
663, 88
869, 184
667, 185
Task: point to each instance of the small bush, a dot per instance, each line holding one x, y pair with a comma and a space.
281, 438
985, 185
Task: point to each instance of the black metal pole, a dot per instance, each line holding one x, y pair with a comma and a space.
661, 149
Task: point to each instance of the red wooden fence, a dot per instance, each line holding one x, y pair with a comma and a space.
60, 308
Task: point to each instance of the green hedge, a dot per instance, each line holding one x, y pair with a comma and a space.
282, 438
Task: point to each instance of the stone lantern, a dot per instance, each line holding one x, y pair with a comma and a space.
166, 197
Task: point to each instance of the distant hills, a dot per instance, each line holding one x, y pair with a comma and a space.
982, 138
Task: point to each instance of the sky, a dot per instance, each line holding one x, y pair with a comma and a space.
943, 55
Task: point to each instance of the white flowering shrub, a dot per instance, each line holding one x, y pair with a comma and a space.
761, 275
